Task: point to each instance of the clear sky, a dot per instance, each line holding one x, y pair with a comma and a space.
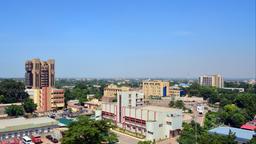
130, 38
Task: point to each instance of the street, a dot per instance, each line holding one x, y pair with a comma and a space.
126, 139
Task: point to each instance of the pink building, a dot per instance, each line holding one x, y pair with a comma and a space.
50, 98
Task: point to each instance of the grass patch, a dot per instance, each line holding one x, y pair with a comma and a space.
134, 134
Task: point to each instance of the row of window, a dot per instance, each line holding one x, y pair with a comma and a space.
134, 120
145, 84
107, 114
134, 127
24, 133
58, 98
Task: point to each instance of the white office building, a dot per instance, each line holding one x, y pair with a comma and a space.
130, 98
152, 121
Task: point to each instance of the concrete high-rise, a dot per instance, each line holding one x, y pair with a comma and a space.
211, 80
39, 73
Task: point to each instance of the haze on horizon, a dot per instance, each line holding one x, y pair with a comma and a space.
147, 38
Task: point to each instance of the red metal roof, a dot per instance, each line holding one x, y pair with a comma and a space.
248, 127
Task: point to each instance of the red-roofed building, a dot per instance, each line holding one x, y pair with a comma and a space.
249, 125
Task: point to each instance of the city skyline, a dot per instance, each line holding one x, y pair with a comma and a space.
157, 39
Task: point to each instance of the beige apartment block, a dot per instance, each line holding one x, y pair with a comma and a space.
112, 90
174, 91
50, 98
155, 88
212, 80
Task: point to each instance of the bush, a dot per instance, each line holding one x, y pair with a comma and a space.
14, 110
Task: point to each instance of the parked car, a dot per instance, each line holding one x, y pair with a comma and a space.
36, 139
54, 140
49, 137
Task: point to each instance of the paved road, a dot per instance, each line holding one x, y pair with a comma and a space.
195, 115
125, 139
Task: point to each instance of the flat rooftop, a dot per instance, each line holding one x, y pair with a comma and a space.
23, 123
161, 109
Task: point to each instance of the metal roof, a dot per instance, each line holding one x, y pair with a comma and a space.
65, 122
23, 123
241, 134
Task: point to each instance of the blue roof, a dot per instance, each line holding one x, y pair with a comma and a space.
241, 134
184, 85
65, 121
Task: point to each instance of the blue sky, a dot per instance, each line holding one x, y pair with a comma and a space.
130, 38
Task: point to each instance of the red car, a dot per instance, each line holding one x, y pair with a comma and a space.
36, 139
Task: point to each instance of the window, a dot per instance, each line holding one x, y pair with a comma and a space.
169, 123
150, 132
160, 125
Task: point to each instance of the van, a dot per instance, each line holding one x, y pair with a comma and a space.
27, 140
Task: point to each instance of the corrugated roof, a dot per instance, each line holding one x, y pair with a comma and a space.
65, 121
248, 127
241, 134
23, 123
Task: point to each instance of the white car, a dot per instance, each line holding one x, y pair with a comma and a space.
27, 140
200, 109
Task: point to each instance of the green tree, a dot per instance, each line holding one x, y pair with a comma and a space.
180, 104
82, 100
235, 108
247, 101
253, 141
14, 110
209, 93
29, 105
88, 131
145, 142
177, 104
193, 90
211, 120
12, 91
172, 103
193, 133
2, 99
190, 133
68, 96
232, 115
